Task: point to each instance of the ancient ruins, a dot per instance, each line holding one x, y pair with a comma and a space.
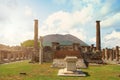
56, 52
12, 54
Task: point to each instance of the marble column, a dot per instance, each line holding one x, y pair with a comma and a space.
98, 40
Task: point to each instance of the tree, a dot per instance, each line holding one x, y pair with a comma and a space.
28, 43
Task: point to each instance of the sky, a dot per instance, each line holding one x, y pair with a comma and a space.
76, 17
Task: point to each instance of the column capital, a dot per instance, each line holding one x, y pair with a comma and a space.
98, 21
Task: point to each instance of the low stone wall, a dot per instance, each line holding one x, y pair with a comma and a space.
60, 63
63, 53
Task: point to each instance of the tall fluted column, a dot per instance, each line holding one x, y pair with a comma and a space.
98, 40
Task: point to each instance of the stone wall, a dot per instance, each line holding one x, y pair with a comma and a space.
15, 55
63, 53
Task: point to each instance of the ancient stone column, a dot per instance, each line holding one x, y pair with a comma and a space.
117, 53
91, 47
94, 49
14, 55
106, 54
19, 57
86, 49
35, 54
9, 56
55, 45
112, 54
103, 54
36, 35
0, 57
41, 51
76, 46
98, 42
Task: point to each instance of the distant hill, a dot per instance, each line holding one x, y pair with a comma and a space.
62, 39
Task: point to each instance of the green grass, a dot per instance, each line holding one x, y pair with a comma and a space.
45, 72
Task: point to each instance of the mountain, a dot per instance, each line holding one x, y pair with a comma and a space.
62, 39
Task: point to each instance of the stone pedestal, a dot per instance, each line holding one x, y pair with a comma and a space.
70, 69
71, 63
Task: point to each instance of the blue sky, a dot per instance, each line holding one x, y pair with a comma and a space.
76, 17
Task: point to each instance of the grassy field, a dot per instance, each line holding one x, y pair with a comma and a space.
45, 72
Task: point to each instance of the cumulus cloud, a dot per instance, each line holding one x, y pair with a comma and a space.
111, 20
15, 22
112, 39
28, 11
66, 22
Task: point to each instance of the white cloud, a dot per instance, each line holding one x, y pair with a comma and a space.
93, 40
15, 23
64, 22
28, 11
81, 34
112, 40
59, 19
84, 15
114, 34
110, 21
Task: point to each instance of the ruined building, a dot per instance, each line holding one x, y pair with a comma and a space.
59, 46
56, 47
